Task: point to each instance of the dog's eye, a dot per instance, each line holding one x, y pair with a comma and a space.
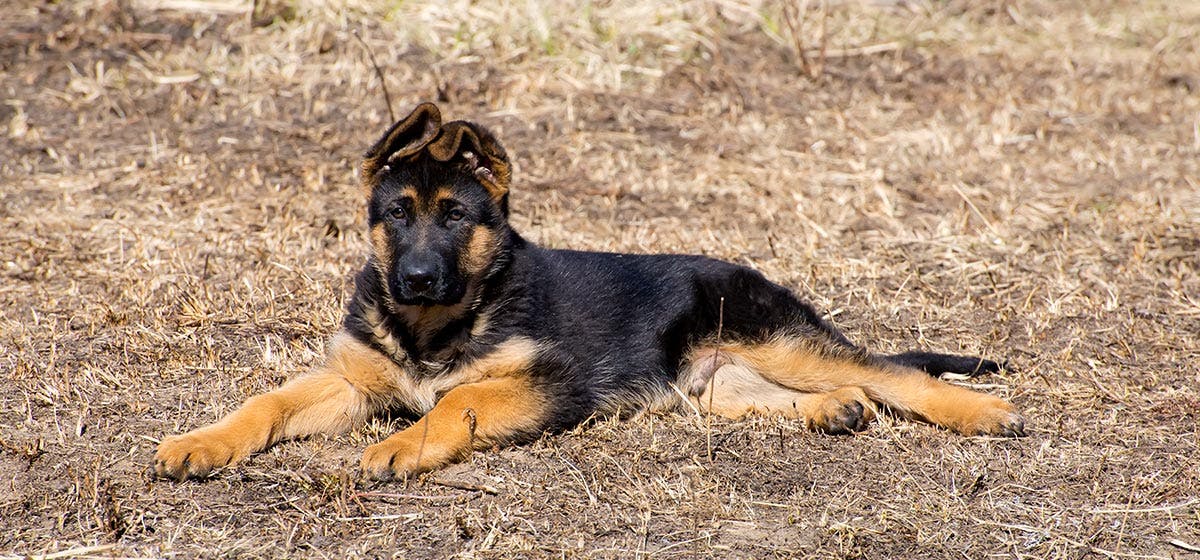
398, 213
454, 216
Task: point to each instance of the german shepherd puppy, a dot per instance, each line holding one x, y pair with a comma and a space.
490, 339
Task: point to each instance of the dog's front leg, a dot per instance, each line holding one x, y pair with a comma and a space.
472, 416
355, 381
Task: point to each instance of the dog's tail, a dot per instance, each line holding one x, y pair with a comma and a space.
936, 364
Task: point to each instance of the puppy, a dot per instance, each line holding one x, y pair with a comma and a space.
489, 339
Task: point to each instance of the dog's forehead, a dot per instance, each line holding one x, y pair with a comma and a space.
427, 185
416, 179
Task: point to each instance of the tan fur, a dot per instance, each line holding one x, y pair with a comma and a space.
788, 375
380, 244
462, 139
426, 320
355, 383
474, 415
482, 322
422, 394
510, 358
734, 390
497, 183
380, 334
349, 388
480, 251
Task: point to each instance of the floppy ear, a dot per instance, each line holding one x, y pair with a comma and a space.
405, 138
476, 147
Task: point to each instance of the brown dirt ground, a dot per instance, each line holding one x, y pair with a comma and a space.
1021, 179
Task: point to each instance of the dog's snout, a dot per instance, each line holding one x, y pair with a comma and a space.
419, 278
424, 277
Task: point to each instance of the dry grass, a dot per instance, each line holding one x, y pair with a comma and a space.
1020, 179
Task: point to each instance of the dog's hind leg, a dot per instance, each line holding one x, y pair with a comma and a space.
785, 342
354, 384
761, 377
725, 384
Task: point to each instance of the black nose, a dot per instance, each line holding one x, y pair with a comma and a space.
419, 280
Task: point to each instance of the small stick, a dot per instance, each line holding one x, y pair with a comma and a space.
1184, 545
389, 495
865, 50
469, 417
695, 407
420, 448
712, 380
467, 486
793, 17
387, 97
824, 39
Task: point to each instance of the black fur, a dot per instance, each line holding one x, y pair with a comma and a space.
937, 364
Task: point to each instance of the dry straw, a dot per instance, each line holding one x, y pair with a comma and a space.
1018, 179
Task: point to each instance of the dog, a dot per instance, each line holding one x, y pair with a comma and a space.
489, 339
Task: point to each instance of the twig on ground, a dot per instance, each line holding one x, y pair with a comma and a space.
712, 379
387, 97
1180, 544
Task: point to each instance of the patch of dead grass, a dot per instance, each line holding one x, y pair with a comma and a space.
181, 222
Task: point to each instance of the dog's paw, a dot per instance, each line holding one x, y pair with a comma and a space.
379, 461
397, 457
192, 455
844, 411
996, 418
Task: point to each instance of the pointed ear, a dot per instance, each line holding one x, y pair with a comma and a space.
478, 148
405, 138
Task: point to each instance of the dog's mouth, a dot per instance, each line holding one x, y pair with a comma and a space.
422, 301
439, 294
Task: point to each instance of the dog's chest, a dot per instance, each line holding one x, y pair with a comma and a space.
422, 380
419, 393
420, 383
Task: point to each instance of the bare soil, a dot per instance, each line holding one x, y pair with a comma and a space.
180, 221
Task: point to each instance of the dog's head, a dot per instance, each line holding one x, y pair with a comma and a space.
437, 207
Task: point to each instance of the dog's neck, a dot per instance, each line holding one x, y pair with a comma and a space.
425, 339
